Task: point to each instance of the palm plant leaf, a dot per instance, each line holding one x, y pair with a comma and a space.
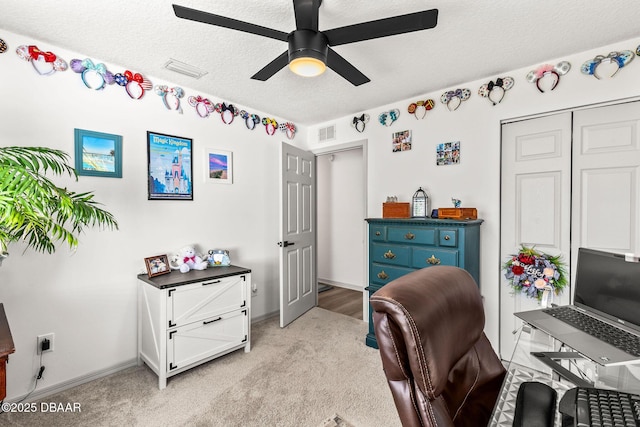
36, 211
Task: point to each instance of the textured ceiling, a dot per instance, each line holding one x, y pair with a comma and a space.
474, 39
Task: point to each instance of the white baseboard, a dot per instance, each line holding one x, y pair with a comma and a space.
57, 388
341, 285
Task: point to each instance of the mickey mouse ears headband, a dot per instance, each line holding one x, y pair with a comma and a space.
359, 122
419, 109
619, 59
551, 71
3, 46
494, 91
453, 98
388, 117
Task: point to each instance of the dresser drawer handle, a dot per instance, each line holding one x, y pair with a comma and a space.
211, 283
447, 237
382, 275
389, 254
206, 322
433, 260
409, 236
377, 233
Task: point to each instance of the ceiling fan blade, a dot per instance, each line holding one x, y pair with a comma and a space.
341, 66
223, 21
383, 27
272, 67
306, 12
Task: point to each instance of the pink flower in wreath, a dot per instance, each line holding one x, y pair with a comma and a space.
548, 272
540, 283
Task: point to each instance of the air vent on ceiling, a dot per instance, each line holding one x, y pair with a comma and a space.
327, 133
183, 68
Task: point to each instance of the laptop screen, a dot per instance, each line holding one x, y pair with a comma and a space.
608, 284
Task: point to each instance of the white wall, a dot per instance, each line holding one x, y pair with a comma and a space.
88, 298
341, 226
476, 124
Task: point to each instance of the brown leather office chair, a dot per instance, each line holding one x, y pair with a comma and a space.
440, 366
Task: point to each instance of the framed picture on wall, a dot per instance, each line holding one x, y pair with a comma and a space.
170, 167
98, 153
218, 167
157, 265
448, 153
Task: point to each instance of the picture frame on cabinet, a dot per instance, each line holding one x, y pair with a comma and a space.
169, 167
218, 166
157, 265
97, 153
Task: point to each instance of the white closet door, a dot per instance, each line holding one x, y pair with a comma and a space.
606, 179
535, 204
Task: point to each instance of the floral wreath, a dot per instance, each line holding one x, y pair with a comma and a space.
532, 272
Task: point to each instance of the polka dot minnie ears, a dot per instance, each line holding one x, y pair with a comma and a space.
359, 122
3, 46
134, 84
454, 98
552, 72
45, 63
617, 59
289, 129
419, 109
494, 91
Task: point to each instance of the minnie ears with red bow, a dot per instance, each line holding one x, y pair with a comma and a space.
134, 84
494, 91
45, 63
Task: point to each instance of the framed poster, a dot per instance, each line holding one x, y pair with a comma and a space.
448, 153
170, 167
218, 168
98, 154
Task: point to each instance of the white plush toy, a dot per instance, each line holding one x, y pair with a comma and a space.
188, 259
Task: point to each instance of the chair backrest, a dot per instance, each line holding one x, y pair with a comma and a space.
439, 364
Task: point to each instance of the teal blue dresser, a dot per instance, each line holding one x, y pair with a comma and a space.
400, 246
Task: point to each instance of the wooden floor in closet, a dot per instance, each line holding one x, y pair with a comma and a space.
342, 300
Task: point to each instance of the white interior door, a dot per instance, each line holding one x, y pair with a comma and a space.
606, 176
535, 204
298, 289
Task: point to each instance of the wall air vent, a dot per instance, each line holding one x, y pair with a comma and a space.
327, 133
183, 68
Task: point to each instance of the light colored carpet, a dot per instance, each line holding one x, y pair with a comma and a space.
301, 375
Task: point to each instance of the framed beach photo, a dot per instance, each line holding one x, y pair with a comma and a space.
218, 167
157, 265
98, 153
170, 167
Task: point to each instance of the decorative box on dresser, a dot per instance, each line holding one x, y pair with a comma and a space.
186, 319
400, 246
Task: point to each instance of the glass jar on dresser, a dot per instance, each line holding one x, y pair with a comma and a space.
399, 246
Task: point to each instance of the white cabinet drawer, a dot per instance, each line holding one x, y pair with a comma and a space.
206, 299
199, 340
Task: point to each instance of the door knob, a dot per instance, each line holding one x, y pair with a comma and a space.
285, 244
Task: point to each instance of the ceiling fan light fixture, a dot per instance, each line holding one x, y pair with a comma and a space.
307, 66
307, 53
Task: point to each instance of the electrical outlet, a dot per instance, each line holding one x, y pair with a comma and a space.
40, 339
254, 289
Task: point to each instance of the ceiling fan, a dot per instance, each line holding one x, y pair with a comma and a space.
309, 50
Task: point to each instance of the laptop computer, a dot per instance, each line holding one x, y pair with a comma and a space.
607, 287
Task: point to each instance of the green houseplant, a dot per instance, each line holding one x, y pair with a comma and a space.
34, 210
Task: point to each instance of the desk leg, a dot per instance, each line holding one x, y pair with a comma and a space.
3, 377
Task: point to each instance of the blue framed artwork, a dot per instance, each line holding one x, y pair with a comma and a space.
170, 167
98, 153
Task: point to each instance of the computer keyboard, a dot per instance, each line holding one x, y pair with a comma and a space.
599, 407
617, 337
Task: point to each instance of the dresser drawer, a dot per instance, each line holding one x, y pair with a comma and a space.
383, 274
377, 233
428, 257
390, 254
448, 238
412, 235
